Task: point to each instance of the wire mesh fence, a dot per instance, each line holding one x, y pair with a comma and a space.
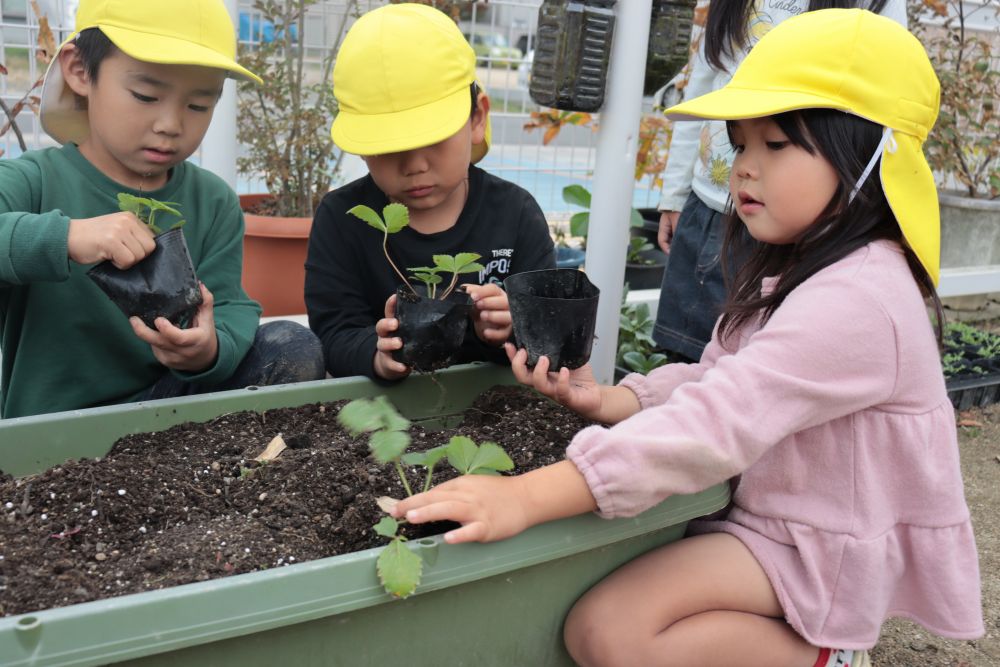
501, 32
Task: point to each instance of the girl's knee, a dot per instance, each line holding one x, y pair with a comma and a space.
592, 637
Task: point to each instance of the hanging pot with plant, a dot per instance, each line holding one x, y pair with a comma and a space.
163, 284
432, 321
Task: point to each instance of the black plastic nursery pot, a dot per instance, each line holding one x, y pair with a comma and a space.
490, 605
161, 285
554, 313
647, 275
432, 329
975, 391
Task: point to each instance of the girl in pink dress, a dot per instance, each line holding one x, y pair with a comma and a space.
821, 388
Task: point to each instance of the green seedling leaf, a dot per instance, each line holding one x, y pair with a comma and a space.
388, 446
579, 224
461, 453
145, 209
635, 218
427, 459
577, 195
399, 569
489, 459
360, 416
386, 527
364, 415
427, 278
396, 217
368, 215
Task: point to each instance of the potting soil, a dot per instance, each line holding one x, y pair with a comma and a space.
190, 504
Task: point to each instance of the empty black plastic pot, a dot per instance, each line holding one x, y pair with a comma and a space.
554, 313
432, 329
163, 284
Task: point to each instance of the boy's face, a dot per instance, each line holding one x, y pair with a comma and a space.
144, 117
432, 177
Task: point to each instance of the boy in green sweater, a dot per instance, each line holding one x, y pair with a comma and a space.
130, 96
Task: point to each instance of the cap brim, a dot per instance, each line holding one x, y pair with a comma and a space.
170, 51
733, 103
912, 193
378, 134
59, 110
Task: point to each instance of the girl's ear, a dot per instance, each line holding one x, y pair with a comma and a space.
73, 70
479, 118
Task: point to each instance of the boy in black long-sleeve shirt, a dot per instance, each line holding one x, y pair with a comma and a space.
418, 119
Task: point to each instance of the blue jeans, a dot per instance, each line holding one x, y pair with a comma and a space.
282, 352
692, 293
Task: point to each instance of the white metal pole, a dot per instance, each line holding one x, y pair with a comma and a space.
218, 148
607, 237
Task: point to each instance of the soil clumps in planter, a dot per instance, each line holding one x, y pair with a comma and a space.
190, 503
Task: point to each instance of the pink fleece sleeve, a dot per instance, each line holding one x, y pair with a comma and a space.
655, 388
827, 352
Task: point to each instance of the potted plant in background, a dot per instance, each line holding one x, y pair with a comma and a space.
30, 98
963, 148
645, 262
284, 128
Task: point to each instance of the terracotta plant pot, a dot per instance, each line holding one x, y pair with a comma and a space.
274, 258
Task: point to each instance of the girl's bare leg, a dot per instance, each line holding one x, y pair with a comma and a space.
699, 602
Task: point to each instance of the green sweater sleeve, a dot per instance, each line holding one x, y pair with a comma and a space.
32, 245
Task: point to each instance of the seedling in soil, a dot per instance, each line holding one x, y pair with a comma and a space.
146, 209
396, 216
399, 569
463, 262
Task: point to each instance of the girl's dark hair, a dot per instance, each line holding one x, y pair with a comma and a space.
726, 27
94, 46
847, 142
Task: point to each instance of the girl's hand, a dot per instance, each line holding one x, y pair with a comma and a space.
491, 320
668, 225
489, 508
191, 350
576, 389
385, 366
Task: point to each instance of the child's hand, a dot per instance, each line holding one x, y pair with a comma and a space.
489, 508
191, 350
492, 317
385, 366
576, 389
118, 237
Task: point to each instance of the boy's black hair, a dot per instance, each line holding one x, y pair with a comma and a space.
475, 98
726, 26
847, 142
94, 46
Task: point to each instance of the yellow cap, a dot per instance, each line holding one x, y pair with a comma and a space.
402, 81
172, 32
861, 63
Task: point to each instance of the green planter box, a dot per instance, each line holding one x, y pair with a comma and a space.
497, 604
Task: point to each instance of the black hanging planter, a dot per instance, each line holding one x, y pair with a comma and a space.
554, 312
163, 284
432, 329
